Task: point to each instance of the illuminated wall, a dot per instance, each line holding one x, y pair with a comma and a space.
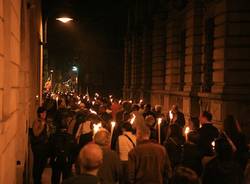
19, 83
202, 50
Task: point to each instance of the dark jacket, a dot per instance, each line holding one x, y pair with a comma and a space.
180, 119
191, 158
83, 178
62, 148
110, 170
218, 172
148, 163
174, 149
208, 133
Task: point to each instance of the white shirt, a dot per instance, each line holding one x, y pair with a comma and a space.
125, 145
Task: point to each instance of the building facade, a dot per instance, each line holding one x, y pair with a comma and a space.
20, 60
193, 53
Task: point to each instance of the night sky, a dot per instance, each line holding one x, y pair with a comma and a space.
93, 41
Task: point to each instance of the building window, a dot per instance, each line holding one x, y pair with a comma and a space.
182, 59
208, 55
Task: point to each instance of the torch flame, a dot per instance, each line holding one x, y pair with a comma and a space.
113, 124
159, 121
187, 130
132, 119
97, 127
92, 111
171, 116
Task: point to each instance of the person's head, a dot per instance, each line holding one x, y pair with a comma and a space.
41, 113
175, 131
102, 138
147, 107
142, 133
184, 175
175, 109
135, 107
230, 126
158, 108
126, 106
194, 123
205, 117
127, 127
90, 158
62, 103
102, 109
150, 121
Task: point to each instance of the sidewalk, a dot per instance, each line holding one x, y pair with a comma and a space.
46, 178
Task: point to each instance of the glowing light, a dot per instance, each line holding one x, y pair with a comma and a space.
159, 129
159, 121
113, 124
57, 102
130, 101
112, 128
171, 116
74, 69
187, 130
96, 127
92, 111
141, 101
132, 120
120, 101
64, 19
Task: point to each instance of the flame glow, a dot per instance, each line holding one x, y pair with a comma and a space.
187, 130
96, 127
132, 119
92, 111
171, 116
159, 121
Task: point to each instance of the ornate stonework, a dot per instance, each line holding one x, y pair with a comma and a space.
202, 49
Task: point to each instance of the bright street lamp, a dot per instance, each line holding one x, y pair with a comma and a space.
74, 69
64, 19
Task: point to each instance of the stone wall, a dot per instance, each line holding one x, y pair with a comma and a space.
19, 83
205, 58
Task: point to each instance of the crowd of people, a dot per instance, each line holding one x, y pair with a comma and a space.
103, 140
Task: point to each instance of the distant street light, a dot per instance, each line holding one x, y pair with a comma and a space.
64, 19
44, 58
74, 69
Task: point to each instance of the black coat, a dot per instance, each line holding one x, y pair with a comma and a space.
218, 172
192, 158
208, 133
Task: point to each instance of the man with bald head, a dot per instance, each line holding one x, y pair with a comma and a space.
110, 170
90, 158
148, 162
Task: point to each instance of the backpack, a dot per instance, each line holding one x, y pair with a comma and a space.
62, 149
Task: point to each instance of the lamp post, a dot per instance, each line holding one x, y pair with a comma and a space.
51, 79
76, 70
44, 53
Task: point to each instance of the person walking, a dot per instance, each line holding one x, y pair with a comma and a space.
148, 162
